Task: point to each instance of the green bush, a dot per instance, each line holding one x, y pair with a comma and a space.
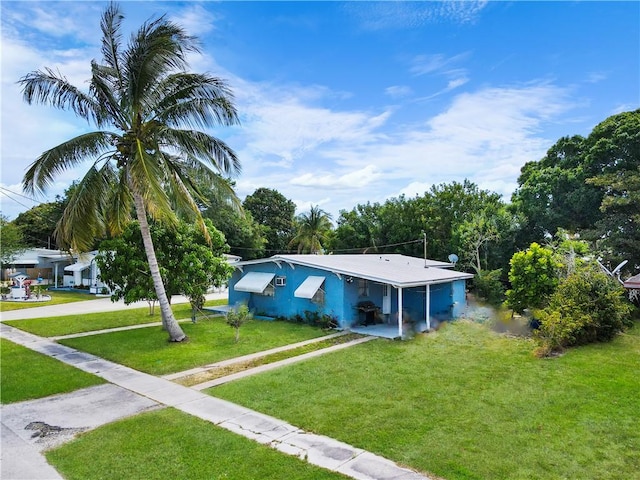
533, 276
488, 286
588, 306
314, 319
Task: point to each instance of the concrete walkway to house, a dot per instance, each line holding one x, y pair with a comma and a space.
25, 425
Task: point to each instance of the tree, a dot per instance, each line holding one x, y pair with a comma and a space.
587, 307
238, 317
358, 229
588, 186
189, 264
533, 276
11, 242
38, 224
312, 230
276, 214
145, 106
614, 153
244, 235
552, 193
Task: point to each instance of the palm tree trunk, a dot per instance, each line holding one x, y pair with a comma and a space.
168, 320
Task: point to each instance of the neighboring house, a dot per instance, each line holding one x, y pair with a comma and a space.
84, 273
633, 285
40, 263
377, 294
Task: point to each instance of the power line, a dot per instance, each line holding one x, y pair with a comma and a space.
19, 194
337, 250
2, 190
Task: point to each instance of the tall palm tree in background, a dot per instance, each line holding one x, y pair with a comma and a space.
313, 229
146, 148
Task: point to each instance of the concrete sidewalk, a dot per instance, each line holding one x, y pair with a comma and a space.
147, 391
96, 305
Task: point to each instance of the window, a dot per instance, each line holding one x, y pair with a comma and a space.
363, 287
281, 281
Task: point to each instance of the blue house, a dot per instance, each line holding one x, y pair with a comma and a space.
375, 294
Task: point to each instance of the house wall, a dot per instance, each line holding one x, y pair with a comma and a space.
283, 302
343, 296
459, 288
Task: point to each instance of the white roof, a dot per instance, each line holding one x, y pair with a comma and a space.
633, 282
254, 282
77, 267
398, 270
33, 256
309, 287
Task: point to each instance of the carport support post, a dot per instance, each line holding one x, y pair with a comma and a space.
400, 311
428, 307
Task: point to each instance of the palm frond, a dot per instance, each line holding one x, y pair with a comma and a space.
106, 87
205, 148
195, 100
49, 87
119, 208
159, 48
112, 38
147, 174
183, 198
83, 219
47, 166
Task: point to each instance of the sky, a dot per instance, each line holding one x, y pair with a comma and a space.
344, 103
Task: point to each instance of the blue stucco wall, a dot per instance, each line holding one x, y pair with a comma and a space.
283, 302
459, 288
342, 296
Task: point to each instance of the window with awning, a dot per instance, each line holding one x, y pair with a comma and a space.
255, 282
310, 288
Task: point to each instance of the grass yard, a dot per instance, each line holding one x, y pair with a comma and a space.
65, 325
26, 375
168, 444
210, 340
467, 403
57, 298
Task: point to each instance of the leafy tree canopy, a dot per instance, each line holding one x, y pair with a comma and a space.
276, 214
589, 186
11, 241
533, 276
313, 231
189, 265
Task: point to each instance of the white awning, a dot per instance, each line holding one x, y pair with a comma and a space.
254, 282
77, 267
309, 287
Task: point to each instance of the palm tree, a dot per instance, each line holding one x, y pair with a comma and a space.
146, 108
313, 229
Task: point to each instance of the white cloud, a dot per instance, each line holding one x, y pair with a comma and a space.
354, 179
196, 19
403, 15
398, 91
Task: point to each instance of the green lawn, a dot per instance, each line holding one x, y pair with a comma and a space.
210, 340
466, 403
65, 325
169, 444
57, 298
26, 375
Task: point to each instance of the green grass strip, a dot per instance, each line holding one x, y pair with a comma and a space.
89, 322
169, 444
223, 371
27, 375
210, 340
